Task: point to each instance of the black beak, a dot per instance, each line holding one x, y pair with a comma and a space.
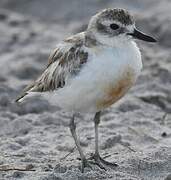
139, 35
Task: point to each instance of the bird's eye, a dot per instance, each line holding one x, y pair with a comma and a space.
114, 26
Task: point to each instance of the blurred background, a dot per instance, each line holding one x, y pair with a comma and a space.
136, 132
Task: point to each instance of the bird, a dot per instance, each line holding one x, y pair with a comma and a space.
89, 71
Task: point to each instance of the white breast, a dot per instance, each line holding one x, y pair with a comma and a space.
105, 66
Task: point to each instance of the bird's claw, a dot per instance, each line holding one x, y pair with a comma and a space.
99, 161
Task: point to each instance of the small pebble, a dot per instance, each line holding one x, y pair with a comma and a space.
164, 134
18, 174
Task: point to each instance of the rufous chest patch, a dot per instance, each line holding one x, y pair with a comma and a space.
114, 92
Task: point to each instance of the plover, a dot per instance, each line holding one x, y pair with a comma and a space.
90, 71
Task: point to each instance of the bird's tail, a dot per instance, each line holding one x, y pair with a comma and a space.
25, 93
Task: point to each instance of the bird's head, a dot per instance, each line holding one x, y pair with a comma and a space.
114, 26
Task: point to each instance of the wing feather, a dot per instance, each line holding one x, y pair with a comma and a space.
66, 61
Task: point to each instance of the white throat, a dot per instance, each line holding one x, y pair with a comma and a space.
115, 58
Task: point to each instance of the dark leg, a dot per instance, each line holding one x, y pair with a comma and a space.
99, 161
74, 135
96, 124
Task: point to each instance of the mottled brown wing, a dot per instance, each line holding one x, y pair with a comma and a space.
64, 62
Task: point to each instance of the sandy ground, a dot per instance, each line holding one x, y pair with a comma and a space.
35, 142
